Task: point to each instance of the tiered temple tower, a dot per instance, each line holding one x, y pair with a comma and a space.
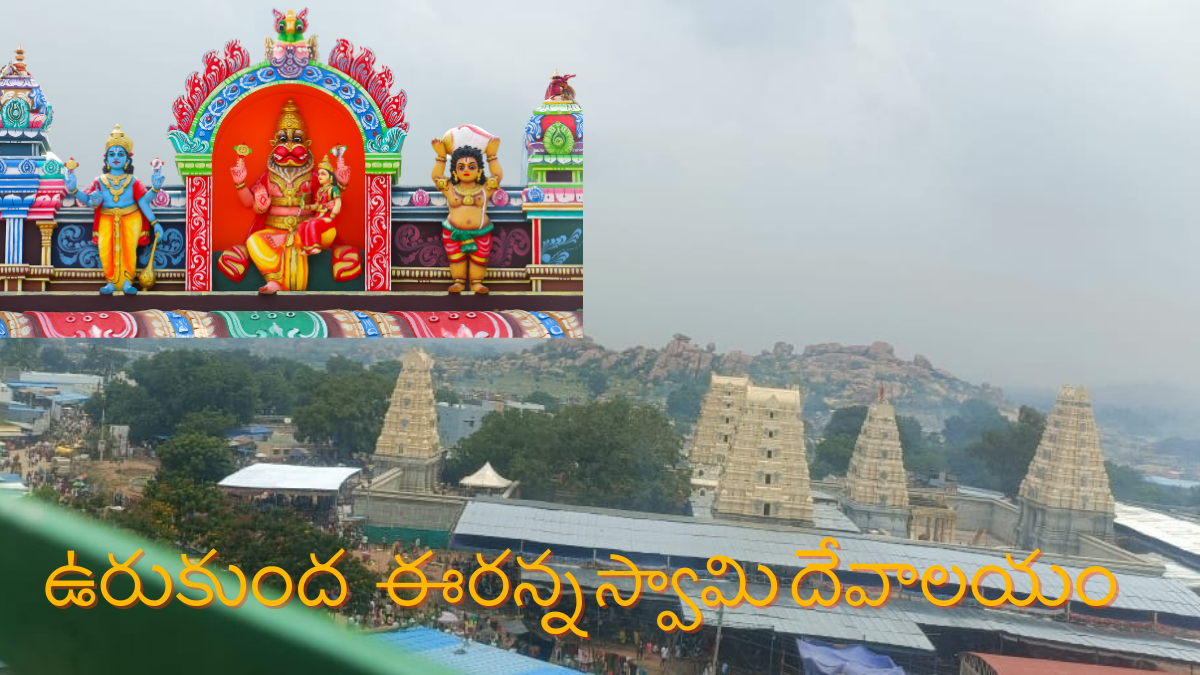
1066, 492
409, 439
31, 179
748, 459
876, 483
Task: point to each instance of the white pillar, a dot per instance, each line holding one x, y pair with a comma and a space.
13, 240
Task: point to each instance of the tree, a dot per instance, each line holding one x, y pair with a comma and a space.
597, 383
54, 358
46, 493
122, 403
912, 436
340, 365
178, 510
21, 354
172, 384
616, 453
257, 538
973, 419
547, 401
207, 422
345, 412
832, 456
201, 459
103, 361
833, 452
1129, 485
512, 439
184, 513
1007, 451
684, 401
447, 395
621, 454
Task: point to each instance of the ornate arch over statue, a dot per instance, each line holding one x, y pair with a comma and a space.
291, 70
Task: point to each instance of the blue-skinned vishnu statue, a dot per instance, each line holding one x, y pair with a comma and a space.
123, 216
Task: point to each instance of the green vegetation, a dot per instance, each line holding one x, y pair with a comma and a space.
1129, 485
841, 433
196, 458
615, 453
340, 407
539, 397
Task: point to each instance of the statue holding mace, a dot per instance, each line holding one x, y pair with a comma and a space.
123, 214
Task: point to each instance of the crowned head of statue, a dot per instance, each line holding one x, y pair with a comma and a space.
291, 139
118, 152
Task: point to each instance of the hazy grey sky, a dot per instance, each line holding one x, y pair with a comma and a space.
1006, 187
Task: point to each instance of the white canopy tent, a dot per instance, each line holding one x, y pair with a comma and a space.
288, 478
486, 478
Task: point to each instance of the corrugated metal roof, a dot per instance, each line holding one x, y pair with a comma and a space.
898, 624
1012, 665
830, 517
1170, 530
1032, 628
843, 623
968, 491
775, 546
440, 649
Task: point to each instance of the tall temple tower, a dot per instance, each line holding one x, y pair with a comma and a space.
1066, 492
876, 483
409, 439
748, 459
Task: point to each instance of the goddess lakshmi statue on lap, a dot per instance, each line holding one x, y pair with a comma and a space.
467, 231
123, 215
281, 238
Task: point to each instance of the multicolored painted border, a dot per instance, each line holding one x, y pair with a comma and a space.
260, 324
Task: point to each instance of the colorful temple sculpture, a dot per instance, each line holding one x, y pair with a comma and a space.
31, 179
409, 450
1066, 494
291, 206
748, 458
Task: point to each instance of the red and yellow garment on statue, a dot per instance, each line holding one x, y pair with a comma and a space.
277, 247
118, 232
475, 244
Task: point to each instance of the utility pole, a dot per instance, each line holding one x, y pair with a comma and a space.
717, 646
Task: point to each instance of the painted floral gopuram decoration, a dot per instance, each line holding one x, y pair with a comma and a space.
290, 206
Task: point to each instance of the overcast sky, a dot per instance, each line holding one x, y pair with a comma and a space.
1005, 187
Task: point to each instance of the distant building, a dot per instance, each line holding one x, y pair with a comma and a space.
748, 459
86, 384
458, 421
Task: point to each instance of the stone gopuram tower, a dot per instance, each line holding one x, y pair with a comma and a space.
748, 459
876, 483
1066, 493
409, 439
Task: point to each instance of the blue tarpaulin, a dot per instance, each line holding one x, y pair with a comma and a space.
822, 659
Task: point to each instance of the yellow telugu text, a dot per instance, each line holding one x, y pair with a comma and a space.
410, 577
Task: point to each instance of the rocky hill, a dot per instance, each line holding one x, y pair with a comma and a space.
831, 375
